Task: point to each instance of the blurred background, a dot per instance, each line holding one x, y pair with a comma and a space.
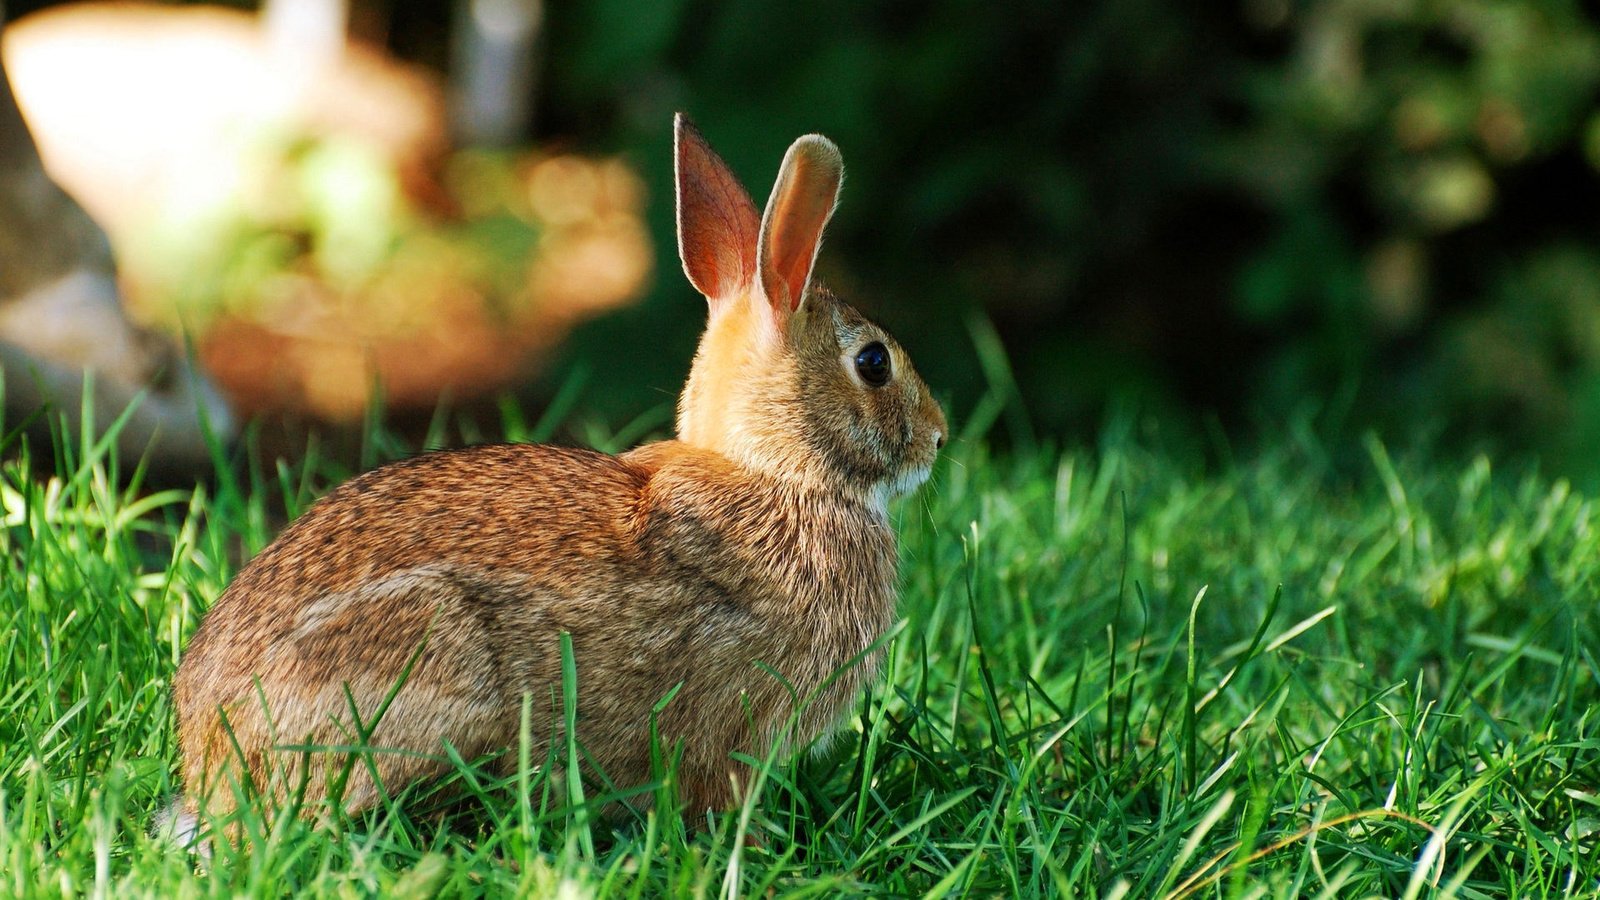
1227, 216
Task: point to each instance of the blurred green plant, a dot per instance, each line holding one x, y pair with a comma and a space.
330, 213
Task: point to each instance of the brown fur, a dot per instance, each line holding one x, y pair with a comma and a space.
761, 536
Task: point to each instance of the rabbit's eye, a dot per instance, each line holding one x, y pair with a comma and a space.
872, 363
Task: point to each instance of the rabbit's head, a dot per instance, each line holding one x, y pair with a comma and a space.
789, 380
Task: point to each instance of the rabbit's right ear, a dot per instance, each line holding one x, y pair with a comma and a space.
717, 221
802, 201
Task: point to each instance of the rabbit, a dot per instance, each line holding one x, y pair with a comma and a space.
755, 545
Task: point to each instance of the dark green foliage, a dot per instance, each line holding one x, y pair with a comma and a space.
1229, 208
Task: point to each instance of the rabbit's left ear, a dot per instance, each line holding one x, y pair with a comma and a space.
791, 229
717, 222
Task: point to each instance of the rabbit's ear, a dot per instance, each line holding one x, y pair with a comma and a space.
791, 230
717, 220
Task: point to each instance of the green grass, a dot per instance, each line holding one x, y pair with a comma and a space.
1120, 674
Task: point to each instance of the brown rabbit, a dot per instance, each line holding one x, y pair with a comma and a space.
757, 540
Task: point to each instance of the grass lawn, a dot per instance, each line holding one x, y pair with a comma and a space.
1119, 674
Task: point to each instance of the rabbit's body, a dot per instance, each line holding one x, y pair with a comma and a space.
748, 565
667, 566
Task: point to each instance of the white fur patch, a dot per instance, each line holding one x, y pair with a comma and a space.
181, 828
902, 484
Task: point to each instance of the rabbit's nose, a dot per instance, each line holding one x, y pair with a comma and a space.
938, 440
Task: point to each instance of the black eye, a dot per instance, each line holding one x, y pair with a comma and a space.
873, 364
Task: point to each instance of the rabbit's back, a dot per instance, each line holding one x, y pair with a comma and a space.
451, 573
510, 506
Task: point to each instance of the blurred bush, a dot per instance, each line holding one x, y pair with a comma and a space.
1384, 208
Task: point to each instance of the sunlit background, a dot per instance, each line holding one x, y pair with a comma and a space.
1227, 218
